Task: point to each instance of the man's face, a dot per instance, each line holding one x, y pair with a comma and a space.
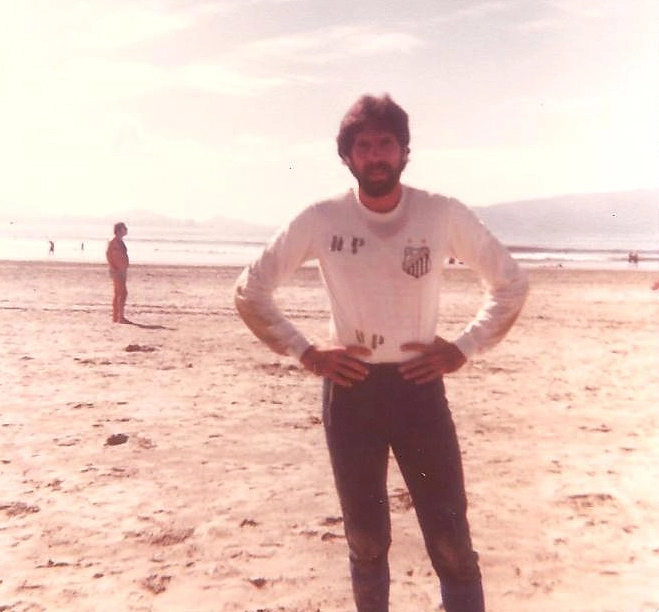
376, 160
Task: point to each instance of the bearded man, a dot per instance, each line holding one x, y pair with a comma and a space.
380, 249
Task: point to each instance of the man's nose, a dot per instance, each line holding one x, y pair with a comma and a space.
374, 153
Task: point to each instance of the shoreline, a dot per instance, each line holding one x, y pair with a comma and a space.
645, 265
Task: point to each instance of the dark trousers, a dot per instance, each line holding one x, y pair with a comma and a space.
361, 424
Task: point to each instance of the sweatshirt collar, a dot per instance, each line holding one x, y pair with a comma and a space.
382, 217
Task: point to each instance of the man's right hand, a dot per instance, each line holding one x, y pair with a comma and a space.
340, 365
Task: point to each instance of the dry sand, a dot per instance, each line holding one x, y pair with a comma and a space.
176, 465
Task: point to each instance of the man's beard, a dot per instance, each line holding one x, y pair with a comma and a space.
377, 188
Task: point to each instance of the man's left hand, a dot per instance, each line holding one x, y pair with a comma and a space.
436, 359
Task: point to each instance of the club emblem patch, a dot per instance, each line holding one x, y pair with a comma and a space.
416, 261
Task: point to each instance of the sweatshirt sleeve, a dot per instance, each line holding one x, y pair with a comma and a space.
505, 283
255, 287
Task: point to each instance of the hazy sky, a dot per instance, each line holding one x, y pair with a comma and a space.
195, 108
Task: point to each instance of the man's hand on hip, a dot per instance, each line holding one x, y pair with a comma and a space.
340, 365
436, 359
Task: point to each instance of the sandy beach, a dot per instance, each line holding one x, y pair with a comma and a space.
176, 465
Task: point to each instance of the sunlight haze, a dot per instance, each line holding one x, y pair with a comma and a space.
197, 108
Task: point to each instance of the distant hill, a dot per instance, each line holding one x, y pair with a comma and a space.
621, 220
561, 219
621, 216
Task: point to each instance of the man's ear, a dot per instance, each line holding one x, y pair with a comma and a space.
404, 158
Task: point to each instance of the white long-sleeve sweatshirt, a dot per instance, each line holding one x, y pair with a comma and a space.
383, 274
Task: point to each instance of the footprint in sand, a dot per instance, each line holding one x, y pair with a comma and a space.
583, 502
156, 583
139, 348
18, 509
400, 500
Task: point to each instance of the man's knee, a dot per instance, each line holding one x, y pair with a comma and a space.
458, 566
368, 547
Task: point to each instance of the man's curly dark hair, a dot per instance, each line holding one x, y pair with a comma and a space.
372, 112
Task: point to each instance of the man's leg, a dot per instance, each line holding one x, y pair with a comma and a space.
122, 302
359, 455
427, 451
116, 288
119, 298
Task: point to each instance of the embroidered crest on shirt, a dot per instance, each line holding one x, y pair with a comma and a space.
416, 260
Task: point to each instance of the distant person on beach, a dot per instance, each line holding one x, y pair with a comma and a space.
51, 247
381, 248
117, 256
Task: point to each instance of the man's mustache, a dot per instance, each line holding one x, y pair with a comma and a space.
379, 166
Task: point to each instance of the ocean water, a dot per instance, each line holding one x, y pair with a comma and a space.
159, 245
212, 246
